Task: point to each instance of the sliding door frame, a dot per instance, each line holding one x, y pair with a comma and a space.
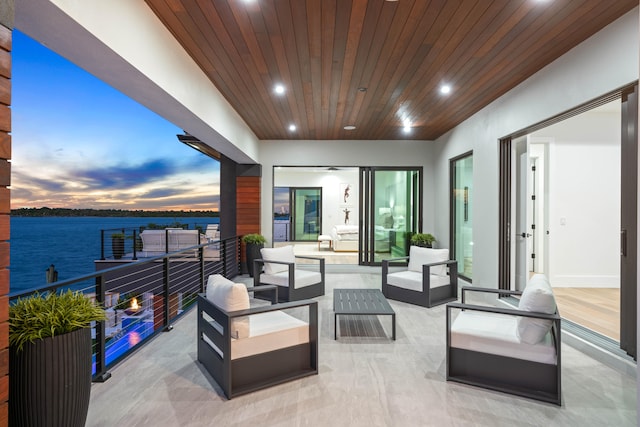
366, 220
628, 285
629, 221
453, 249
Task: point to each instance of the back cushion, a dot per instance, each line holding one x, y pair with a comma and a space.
538, 297
230, 296
284, 254
419, 256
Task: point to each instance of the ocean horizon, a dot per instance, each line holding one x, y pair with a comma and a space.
71, 244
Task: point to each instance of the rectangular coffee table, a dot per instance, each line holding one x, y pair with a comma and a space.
361, 302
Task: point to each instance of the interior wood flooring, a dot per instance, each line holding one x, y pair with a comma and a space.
362, 381
594, 308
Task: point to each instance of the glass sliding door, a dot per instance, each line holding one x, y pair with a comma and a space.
553, 200
281, 217
629, 222
391, 211
461, 242
306, 213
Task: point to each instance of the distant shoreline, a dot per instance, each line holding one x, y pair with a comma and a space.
48, 212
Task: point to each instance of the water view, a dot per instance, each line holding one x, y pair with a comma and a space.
71, 244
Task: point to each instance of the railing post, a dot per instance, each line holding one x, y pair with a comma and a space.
223, 250
201, 254
135, 243
166, 241
102, 245
167, 324
101, 374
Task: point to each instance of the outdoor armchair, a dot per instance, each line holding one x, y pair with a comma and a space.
430, 278
247, 348
295, 281
516, 351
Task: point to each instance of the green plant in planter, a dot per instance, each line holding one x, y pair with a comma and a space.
50, 359
117, 245
423, 239
254, 239
253, 243
37, 317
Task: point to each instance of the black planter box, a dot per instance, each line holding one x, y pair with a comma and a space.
51, 381
252, 253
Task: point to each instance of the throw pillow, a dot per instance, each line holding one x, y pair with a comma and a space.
419, 256
284, 254
230, 296
538, 297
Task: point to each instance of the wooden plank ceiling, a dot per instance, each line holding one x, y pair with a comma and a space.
373, 63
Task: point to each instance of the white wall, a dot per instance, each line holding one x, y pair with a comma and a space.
604, 62
584, 200
346, 153
332, 196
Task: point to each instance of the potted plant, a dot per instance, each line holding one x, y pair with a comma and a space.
424, 240
50, 358
117, 245
253, 243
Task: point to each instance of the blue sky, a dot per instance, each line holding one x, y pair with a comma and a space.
79, 143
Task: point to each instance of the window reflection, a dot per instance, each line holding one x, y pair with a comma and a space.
462, 213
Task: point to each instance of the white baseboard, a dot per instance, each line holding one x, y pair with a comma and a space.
586, 281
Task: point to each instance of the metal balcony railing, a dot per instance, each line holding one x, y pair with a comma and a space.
118, 242
162, 287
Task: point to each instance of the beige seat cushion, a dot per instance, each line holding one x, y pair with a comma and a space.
536, 297
270, 331
302, 278
497, 334
230, 296
412, 280
419, 256
283, 254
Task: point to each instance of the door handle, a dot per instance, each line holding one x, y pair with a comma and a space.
623, 242
525, 235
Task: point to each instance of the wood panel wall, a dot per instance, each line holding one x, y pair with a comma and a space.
247, 209
5, 211
247, 204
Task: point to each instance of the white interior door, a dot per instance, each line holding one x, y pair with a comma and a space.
521, 229
539, 196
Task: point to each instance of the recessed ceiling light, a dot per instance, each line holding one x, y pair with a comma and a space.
362, 89
407, 125
279, 89
292, 127
445, 89
349, 127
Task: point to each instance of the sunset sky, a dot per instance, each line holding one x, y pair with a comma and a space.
79, 143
